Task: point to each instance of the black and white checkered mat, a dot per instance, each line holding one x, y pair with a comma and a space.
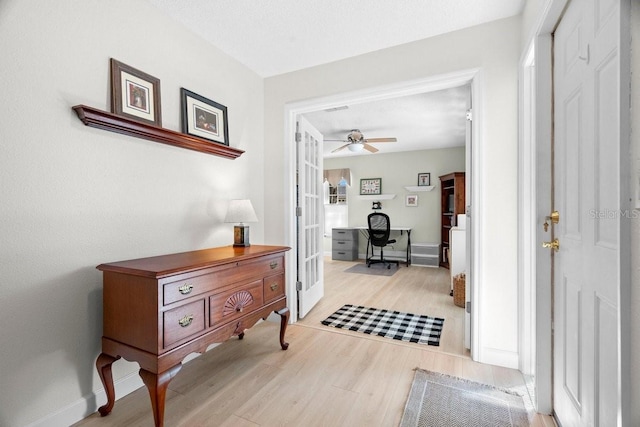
387, 323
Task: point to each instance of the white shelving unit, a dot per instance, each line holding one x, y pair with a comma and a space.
414, 188
377, 196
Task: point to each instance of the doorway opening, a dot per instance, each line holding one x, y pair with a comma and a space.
473, 165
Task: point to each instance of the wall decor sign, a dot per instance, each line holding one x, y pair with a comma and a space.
412, 200
204, 118
371, 186
424, 179
135, 94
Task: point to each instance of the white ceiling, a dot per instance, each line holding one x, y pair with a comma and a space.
419, 122
280, 36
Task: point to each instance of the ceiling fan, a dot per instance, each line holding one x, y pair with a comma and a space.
357, 142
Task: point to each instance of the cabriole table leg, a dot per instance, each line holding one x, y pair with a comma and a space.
103, 365
284, 321
157, 385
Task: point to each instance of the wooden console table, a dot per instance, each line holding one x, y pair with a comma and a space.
158, 310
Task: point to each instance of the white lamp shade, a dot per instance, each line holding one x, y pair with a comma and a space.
240, 211
355, 147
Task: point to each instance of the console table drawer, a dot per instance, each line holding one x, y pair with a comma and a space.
235, 303
183, 322
186, 288
273, 287
220, 276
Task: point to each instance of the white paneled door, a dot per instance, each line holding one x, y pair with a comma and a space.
310, 222
586, 195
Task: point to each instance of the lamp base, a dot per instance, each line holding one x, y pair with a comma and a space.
241, 235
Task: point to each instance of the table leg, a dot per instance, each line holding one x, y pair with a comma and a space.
408, 247
103, 365
284, 321
157, 385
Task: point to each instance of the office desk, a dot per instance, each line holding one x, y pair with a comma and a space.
365, 232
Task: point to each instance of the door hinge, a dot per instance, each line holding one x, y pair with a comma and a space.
469, 115
298, 137
298, 211
468, 307
298, 286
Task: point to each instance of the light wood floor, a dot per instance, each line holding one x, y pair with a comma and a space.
328, 377
417, 290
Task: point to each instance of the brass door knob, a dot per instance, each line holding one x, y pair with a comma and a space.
555, 245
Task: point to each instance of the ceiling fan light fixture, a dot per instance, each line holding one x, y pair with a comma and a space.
355, 147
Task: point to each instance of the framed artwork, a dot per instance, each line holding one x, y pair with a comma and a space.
424, 179
135, 94
204, 118
371, 186
412, 200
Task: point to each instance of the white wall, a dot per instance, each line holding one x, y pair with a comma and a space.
493, 47
398, 170
72, 197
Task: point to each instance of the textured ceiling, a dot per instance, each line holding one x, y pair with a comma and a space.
423, 121
278, 36
273, 37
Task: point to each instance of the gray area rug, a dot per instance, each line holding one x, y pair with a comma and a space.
438, 400
374, 269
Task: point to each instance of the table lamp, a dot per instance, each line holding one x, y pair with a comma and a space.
241, 211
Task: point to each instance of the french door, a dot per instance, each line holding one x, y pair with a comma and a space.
310, 216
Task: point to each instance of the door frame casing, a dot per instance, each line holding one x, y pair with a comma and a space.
292, 110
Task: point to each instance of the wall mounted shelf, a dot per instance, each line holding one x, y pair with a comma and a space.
96, 118
414, 188
377, 196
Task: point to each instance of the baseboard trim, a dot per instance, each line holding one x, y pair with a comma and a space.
494, 356
89, 404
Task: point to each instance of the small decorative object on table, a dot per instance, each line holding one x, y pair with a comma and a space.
241, 211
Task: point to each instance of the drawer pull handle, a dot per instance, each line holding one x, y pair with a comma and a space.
186, 320
274, 286
186, 289
273, 265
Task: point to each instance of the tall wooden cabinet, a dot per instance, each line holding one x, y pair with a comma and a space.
452, 203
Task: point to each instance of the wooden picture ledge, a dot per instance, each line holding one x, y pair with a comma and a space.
103, 120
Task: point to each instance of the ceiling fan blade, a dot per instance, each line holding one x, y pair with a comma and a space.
370, 148
381, 139
334, 140
340, 148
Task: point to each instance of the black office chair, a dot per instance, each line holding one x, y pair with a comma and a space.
379, 231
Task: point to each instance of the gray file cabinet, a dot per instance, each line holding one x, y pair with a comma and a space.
344, 244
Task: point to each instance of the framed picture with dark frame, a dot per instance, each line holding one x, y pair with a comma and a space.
204, 118
135, 94
424, 179
371, 186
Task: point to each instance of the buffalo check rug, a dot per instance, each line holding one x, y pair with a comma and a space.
387, 323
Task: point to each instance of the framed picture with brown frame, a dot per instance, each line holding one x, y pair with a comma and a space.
204, 118
135, 94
